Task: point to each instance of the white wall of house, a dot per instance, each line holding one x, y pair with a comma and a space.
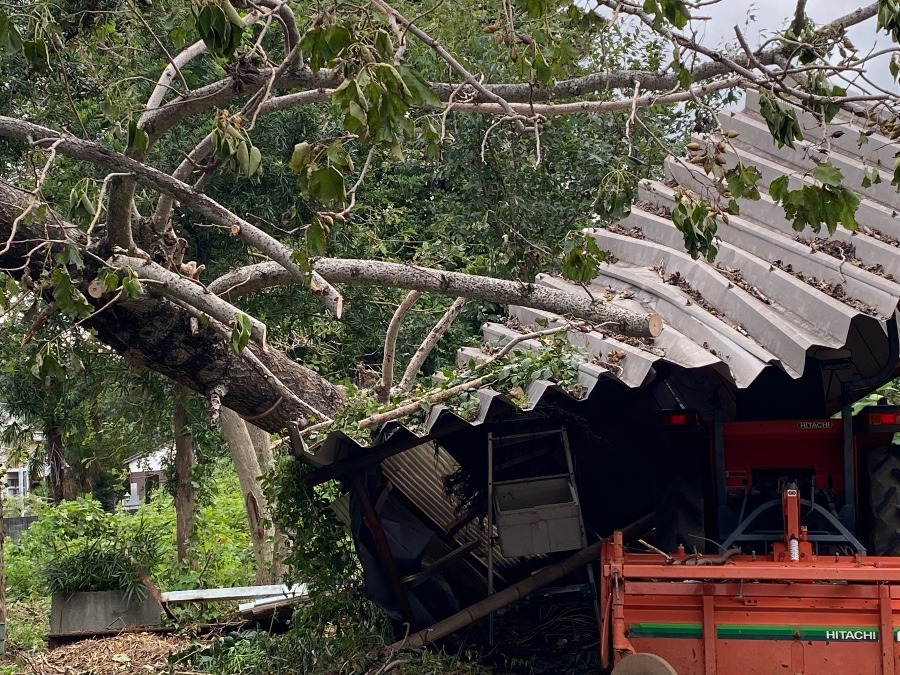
17, 482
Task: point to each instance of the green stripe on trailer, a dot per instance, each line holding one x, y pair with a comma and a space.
759, 632
819, 633
676, 630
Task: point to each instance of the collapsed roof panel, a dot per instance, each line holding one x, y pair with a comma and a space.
779, 325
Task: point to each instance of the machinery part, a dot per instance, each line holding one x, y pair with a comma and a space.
842, 536
680, 513
794, 547
643, 664
882, 465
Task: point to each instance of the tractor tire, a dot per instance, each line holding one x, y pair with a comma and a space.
643, 664
680, 513
882, 465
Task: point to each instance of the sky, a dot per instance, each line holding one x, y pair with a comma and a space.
771, 16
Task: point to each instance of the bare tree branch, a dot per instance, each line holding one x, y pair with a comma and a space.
254, 278
799, 18
181, 288
431, 399
428, 344
383, 388
110, 160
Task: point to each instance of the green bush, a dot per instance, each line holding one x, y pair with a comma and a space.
111, 560
79, 546
339, 632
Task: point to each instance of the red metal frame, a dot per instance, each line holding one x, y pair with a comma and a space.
739, 614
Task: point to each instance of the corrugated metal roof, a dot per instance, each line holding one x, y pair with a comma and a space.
777, 315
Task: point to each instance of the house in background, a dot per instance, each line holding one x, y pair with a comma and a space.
18, 442
145, 474
18, 481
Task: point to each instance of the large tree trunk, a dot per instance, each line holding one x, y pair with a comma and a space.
160, 335
243, 453
184, 465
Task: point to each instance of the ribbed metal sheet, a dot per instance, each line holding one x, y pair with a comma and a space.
774, 298
418, 473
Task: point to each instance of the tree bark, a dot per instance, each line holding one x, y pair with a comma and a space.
185, 457
3, 552
157, 334
246, 464
161, 335
383, 388
262, 444
62, 482
434, 335
607, 316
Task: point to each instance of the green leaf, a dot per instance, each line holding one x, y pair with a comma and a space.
535, 9
684, 76
316, 238
69, 299
384, 45
781, 120
582, 259
324, 43
109, 278
36, 54
301, 257
240, 333
326, 184
676, 12
778, 188
743, 182
69, 255
300, 157
137, 137
828, 174
419, 89
132, 286
10, 39
338, 156
542, 72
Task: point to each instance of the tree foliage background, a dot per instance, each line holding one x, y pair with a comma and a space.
241, 195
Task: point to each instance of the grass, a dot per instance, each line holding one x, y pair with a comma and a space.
27, 624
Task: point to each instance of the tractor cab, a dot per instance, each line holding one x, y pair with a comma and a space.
844, 470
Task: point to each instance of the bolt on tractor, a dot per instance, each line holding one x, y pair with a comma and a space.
777, 551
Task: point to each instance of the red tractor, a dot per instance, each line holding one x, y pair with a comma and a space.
774, 552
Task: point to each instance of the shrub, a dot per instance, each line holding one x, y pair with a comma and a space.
27, 624
339, 632
107, 561
79, 546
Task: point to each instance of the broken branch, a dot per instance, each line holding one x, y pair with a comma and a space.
383, 388
415, 363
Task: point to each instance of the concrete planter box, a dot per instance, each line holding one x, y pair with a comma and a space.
538, 515
97, 611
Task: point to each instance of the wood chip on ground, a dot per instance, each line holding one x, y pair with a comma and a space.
125, 654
